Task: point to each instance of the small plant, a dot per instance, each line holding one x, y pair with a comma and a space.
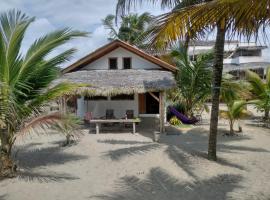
260, 90
236, 111
175, 121
70, 126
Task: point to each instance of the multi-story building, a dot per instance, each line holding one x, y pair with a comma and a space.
238, 56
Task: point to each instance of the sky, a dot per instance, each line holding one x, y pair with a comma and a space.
83, 15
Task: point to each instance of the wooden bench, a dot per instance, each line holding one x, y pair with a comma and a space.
98, 123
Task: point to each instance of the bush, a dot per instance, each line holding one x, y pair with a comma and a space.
175, 121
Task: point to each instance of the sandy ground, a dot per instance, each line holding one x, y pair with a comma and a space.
132, 167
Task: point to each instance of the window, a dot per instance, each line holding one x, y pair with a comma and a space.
95, 98
126, 63
123, 97
113, 63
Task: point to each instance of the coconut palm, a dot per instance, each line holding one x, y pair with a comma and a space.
233, 16
234, 94
193, 79
171, 30
170, 27
25, 81
132, 27
70, 127
261, 91
124, 6
236, 110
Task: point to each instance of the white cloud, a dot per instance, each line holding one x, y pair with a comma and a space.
86, 45
84, 15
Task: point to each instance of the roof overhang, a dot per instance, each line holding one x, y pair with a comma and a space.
114, 82
112, 46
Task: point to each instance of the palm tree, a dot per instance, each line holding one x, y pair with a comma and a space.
235, 17
124, 6
236, 110
169, 28
132, 27
261, 91
234, 94
25, 81
193, 79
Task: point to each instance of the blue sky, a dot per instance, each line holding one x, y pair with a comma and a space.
84, 15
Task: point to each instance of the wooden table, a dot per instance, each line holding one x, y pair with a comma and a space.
98, 123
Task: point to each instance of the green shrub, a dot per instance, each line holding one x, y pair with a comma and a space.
175, 121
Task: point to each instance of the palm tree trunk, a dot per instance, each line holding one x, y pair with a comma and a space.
186, 44
231, 127
217, 77
7, 166
266, 114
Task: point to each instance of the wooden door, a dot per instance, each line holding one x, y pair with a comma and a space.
142, 104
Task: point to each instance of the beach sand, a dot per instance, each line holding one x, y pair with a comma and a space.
123, 166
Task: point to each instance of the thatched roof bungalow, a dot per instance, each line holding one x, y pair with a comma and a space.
120, 77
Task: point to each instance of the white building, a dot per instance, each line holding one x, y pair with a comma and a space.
120, 78
238, 57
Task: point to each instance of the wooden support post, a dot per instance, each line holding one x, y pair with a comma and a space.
134, 127
97, 128
161, 112
63, 105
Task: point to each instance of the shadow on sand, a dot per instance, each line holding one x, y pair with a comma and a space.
129, 151
3, 197
35, 158
124, 142
31, 157
159, 185
44, 177
181, 149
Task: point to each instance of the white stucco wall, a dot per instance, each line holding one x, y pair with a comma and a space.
137, 61
98, 108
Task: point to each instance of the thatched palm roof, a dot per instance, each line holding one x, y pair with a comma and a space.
113, 82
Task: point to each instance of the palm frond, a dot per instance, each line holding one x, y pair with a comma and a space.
242, 20
108, 23
268, 77
232, 89
13, 25
41, 123
193, 79
59, 90
124, 6
69, 125
258, 87
24, 80
237, 108
224, 114
45, 45
235, 111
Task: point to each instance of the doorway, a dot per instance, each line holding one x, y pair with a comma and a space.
152, 105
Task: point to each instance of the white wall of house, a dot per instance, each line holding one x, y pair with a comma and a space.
98, 108
137, 61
